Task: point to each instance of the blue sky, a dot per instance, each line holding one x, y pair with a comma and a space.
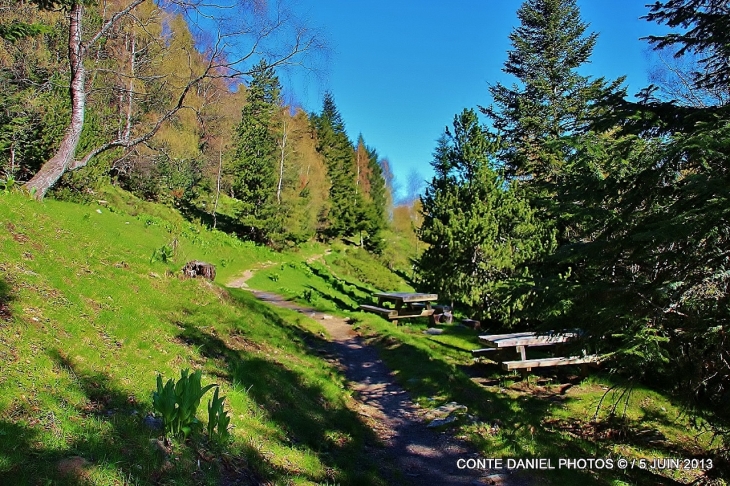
400, 70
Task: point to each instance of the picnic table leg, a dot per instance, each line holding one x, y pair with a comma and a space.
523, 356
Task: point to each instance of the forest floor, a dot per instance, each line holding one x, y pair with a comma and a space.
422, 455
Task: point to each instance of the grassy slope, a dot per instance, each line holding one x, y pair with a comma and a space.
545, 417
87, 322
91, 326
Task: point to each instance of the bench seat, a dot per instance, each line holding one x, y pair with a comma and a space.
395, 314
545, 362
387, 313
483, 352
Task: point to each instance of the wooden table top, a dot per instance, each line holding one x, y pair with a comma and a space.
528, 338
407, 297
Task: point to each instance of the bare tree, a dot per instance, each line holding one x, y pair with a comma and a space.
676, 79
243, 31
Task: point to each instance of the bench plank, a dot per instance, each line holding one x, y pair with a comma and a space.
396, 313
528, 338
389, 313
545, 362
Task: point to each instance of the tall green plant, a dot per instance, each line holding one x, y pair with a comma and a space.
178, 402
254, 175
218, 418
478, 229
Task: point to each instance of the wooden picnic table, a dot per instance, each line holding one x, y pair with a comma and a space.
519, 342
404, 304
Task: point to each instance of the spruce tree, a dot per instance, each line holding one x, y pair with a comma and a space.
255, 162
345, 213
654, 278
551, 101
376, 215
478, 230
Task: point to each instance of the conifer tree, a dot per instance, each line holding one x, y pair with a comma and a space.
655, 276
478, 230
345, 214
255, 179
551, 100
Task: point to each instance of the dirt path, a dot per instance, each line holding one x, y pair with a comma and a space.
424, 456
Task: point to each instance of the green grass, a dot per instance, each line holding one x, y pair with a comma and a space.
549, 416
90, 314
89, 319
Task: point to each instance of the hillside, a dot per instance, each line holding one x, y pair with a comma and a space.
92, 309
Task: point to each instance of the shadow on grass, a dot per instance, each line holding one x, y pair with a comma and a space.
110, 440
331, 297
406, 278
354, 291
222, 222
522, 431
6, 297
305, 412
110, 445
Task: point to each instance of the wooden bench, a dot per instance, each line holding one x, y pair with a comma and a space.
395, 314
478, 353
528, 364
387, 313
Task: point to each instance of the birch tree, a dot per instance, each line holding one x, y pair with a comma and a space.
240, 32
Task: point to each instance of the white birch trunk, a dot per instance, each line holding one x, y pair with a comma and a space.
52, 170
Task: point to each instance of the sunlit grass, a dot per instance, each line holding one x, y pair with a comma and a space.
95, 317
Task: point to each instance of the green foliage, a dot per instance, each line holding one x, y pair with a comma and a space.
163, 254
8, 184
703, 30
254, 176
478, 228
178, 402
18, 30
345, 216
218, 418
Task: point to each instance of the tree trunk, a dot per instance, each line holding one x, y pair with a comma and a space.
281, 164
217, 187
54, 168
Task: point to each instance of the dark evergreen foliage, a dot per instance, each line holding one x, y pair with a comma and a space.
478, 229
254, 174
346, 203
704, 29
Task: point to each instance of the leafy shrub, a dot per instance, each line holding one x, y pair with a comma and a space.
163, 254
178, 402
8, 184
309, 295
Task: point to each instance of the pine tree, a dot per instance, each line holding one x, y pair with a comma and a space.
345, 215
551, 101
478, 230
255, 177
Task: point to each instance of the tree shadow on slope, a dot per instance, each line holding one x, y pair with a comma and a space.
355, 291
505, 427
307, 413
110, 441
222, 222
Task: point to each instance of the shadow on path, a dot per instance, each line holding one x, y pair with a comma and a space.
425, 456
